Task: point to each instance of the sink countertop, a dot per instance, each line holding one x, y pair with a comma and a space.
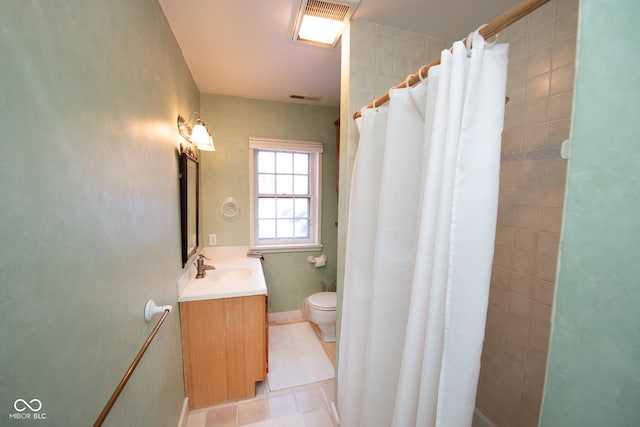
231, 262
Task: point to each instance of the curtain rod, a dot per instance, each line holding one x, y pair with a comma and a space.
512, 15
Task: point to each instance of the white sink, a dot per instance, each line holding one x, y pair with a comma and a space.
235, 275
229, 274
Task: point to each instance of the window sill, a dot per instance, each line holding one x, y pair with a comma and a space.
288, 248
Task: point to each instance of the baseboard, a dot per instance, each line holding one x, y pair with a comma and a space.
334, 414
285, 316
480, 420
182, 421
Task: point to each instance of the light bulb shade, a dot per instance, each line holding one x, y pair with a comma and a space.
208, 146
199, 134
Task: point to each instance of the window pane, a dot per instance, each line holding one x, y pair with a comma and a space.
302, 208
266, 183
284, 208
301, 163
266, 161
285, 196
266, 207
300, 184
302, 229
285, 229
284, 162
284, 184
266, 229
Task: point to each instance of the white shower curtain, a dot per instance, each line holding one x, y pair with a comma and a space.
421, 227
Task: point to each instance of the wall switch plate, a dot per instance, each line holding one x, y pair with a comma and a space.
212, 240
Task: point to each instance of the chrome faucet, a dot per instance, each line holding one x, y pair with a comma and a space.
201, 267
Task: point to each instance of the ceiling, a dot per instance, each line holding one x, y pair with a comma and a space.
244, 47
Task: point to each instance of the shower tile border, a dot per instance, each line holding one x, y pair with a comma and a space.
550, 152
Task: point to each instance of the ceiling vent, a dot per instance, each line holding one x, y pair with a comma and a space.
305, 98
321, 22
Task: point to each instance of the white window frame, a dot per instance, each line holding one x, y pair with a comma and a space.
314, 149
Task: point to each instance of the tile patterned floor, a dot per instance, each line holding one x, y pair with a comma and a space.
303, 406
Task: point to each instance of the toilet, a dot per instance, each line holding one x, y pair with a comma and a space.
320, 309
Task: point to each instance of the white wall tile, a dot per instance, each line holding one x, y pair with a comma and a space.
565, 26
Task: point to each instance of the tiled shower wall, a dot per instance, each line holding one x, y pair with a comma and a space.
532, 184
382, 57
377, 58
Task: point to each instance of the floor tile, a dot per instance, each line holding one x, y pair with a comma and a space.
197, 419
294, 420
318, 418
309, 398
226, 416
252, 411
281, 406
328, 389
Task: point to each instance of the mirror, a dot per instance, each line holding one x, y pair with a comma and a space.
189, 203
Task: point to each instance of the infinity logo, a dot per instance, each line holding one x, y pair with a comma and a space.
37, 405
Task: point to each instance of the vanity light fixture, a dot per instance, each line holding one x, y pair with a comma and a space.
196, 132
321, 22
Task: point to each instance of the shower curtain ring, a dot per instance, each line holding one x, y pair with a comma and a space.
420, 73
469, 40
487, 42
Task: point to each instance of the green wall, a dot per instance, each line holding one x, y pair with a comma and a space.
225, 173
89, 219
593, 376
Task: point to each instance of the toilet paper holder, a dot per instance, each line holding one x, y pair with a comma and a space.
317, 261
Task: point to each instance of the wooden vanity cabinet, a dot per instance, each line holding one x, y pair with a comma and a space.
224, 348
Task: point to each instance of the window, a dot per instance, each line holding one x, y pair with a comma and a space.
286, 179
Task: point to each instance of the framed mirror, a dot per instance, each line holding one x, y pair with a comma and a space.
189, 203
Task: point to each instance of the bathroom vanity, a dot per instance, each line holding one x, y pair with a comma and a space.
223, 319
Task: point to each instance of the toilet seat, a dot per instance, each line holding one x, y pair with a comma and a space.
323, 301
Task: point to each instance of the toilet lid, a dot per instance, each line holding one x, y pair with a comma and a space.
323, 301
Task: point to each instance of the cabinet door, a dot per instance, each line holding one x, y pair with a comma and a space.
247, 334
203, 349
223, 348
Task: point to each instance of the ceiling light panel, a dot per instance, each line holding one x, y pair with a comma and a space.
321, 22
